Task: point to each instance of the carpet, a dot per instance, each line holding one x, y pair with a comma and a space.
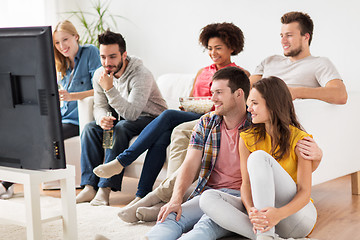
91, 221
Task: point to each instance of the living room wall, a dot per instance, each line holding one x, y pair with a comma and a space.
164, 33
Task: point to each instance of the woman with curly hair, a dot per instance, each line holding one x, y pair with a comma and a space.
222, 40
276, 177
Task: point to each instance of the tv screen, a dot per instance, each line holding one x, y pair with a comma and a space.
30, 120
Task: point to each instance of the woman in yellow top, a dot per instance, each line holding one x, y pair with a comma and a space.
276, 178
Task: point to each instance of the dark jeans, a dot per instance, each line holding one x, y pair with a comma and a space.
70, 130
92, 152
155, 138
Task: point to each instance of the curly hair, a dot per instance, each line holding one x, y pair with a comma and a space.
229, 33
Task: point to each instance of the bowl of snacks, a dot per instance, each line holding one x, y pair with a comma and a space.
199, 105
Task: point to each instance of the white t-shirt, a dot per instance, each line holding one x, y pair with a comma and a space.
307, 72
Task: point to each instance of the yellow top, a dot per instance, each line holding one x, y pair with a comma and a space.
289, 161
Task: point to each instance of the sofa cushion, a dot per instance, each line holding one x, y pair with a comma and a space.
172, 86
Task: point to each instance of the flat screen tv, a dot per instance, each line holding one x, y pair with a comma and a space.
30, 120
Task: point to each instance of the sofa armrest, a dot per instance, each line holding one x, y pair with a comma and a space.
85, 110
335, 130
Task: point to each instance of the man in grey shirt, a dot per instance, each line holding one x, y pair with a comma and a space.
126, 88
306, 76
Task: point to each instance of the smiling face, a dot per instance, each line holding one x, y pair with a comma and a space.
224, 100
111, 58
66, 43
294, 44
257, 107
219, 52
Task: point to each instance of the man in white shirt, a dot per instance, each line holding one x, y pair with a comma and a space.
306, 76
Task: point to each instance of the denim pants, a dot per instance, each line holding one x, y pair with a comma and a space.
193, 222
92, 152
155, 138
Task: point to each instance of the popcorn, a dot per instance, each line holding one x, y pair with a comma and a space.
198, 105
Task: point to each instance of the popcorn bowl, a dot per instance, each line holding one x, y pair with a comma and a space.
198, 105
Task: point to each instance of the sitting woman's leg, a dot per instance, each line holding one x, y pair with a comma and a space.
70, 130
164, 122
154, 161
227, 211
280, 189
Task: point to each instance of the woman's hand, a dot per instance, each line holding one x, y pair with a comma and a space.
64, 95
258, 219
272, 217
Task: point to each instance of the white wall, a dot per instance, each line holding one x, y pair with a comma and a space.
19, 13
164, 33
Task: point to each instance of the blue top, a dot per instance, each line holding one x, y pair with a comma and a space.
87, 60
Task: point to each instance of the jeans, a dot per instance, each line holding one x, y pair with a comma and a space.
155, 138
70, 130
193, 222
272, 186
92, 152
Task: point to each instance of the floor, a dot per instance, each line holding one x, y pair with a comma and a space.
338, 209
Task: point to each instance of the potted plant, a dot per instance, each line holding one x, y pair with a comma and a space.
95, 22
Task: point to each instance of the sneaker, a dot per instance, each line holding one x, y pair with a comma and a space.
9, 193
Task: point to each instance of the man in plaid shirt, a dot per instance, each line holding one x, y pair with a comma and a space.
230, 89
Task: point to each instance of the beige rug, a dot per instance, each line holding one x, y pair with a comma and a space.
90, 220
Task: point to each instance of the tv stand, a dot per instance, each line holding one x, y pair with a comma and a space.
34, 218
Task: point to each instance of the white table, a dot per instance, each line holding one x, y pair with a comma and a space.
34, 218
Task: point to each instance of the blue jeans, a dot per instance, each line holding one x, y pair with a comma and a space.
155, 138
92, 152
193, 222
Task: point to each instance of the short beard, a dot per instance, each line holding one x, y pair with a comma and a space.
119, 67
293, 53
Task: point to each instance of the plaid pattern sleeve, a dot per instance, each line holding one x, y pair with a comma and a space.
206, 137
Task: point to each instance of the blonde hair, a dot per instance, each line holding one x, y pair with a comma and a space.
62, 62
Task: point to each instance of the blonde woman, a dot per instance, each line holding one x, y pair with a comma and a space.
75, 65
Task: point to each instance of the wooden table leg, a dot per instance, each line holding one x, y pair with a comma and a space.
355, 183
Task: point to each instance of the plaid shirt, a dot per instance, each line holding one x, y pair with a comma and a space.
206, 137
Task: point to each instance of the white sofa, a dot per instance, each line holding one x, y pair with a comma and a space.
334, 128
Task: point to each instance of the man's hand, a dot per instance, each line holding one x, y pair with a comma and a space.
106, 81
309, 150
64, 95
169, 208
107, 123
